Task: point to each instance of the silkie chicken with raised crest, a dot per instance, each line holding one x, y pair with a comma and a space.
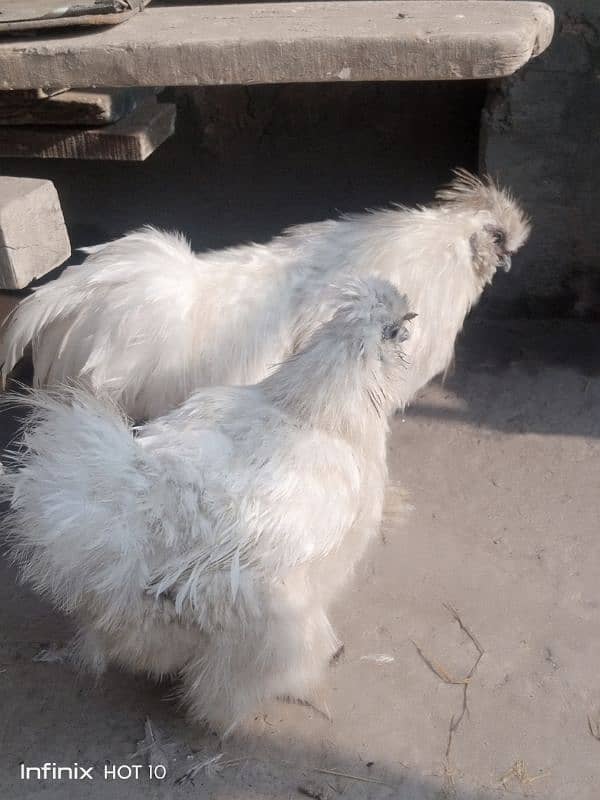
209, 543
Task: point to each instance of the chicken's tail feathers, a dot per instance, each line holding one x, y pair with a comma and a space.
42, 320
18, 330
143, 234
75, 485
90, 249
79, 325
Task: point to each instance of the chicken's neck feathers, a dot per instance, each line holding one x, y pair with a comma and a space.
321, 388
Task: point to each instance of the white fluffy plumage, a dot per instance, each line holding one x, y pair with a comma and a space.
209, 542
148, 321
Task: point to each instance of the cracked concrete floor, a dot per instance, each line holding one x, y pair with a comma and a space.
502, 465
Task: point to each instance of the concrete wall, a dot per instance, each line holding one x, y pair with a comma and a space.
541, 134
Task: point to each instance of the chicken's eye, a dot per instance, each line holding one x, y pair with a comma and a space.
499, 238
390, 331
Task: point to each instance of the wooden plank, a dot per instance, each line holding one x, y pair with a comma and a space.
73, 107
33, 236
27, 95
132, 138
33, 15
365, 40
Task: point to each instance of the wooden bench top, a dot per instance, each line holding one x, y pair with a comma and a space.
378, 40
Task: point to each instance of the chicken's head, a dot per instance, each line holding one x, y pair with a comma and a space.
501, 227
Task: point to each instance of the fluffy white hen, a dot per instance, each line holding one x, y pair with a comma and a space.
209, 542
148, 321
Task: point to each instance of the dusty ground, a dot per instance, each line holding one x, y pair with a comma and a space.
503, 469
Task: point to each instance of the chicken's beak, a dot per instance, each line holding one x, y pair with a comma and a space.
506, 262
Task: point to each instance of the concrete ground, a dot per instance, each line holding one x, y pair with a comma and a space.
502, 465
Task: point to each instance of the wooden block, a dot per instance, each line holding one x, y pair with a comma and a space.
132, 138
71, 107
214, 44
33, 236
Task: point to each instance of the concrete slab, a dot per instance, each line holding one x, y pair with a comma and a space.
502, 467
378, 40
33, 236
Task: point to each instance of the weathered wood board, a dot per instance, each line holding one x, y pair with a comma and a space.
132, 138
32, 15
28, 95
71, 107
33, 236
363, 40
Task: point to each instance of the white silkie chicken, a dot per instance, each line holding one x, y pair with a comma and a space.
210, 544
148, 321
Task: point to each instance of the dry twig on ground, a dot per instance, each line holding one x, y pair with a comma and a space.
446, 677
519, 772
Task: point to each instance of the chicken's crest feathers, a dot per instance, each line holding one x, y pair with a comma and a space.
475, 193
368, 308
